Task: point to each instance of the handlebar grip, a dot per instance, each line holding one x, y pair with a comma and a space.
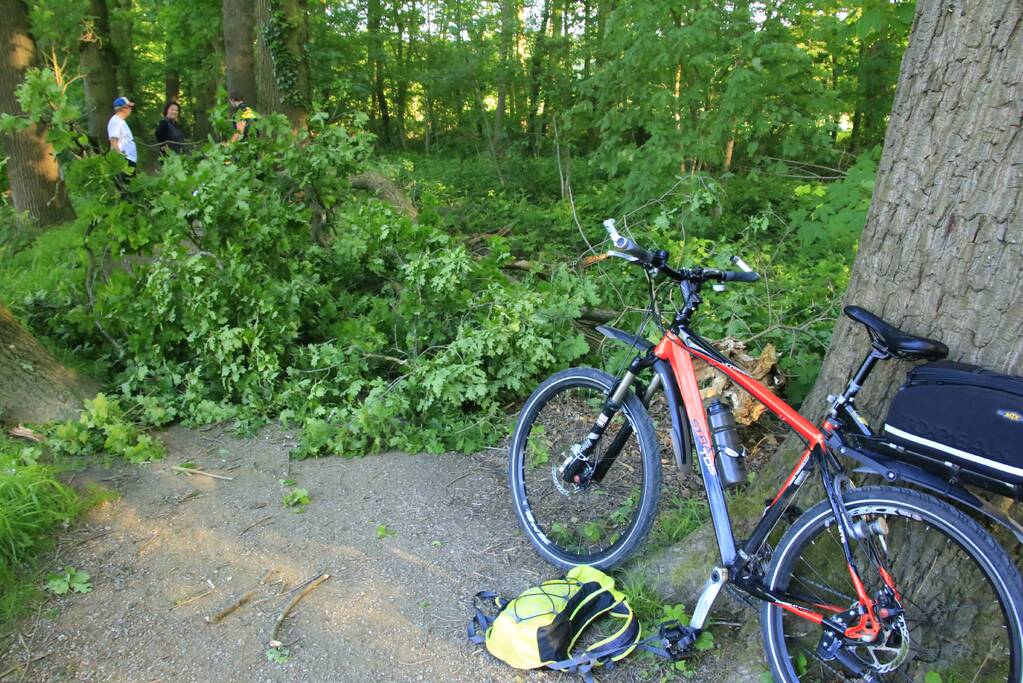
739, 276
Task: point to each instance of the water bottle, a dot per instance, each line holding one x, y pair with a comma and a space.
731, 455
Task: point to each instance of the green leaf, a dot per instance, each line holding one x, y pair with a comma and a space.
383, 531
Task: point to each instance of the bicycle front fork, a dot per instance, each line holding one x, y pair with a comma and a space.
579, 468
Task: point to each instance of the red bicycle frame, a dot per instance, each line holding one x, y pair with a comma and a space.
679, 352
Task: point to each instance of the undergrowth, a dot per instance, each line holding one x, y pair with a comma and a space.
251, 282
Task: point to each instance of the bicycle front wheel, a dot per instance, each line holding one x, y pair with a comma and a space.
600, 519
960, 593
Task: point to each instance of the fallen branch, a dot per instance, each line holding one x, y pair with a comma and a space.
146, 544
192, 470
254, 524
240, 602
186, 601
294, 601
21, 665
23, 432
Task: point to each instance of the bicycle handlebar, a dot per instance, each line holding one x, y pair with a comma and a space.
628, 249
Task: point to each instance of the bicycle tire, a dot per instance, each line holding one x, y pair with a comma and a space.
569, 417
968, 567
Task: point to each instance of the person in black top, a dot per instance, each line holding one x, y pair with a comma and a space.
168, 133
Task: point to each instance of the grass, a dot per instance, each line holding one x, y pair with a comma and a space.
31, 263
33, 503
679, 517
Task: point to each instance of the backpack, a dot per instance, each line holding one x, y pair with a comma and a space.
541, 627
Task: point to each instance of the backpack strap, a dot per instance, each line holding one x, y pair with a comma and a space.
481, 622
607, 651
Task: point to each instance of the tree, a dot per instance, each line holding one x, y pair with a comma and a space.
99, 64
32, 169
239, 51
37, 388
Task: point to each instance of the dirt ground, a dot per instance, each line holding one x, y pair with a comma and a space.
175, 550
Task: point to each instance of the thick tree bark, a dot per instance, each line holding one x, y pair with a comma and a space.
32, 170
239, 48
941, 252
281, 67
99, 64
268, 94
36, 387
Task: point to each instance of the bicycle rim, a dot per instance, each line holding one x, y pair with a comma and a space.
961, 621
597, 522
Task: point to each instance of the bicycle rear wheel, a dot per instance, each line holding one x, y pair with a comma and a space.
598, 521
960, 591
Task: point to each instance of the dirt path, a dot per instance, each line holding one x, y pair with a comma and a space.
394, 609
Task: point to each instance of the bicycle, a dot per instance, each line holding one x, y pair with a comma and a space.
878, 582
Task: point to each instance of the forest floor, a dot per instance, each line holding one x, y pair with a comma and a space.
407, 541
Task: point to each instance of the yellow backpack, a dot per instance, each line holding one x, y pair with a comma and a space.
542, 625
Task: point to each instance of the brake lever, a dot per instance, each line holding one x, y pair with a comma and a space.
619, 254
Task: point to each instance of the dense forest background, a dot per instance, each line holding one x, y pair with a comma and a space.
500, 133
260, 280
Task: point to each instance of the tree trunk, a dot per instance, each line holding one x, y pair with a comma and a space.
171, 85
268, 94
940, 255
239, 50
37, 388
122, 33
281, 68
535, 72
376, 64
32, 170
99, 64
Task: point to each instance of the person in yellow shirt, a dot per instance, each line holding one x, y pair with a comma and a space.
243, 116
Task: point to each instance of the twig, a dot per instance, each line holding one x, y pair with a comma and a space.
240, 602
187, 496
14, 668
93, 538
146, 544
255, 524
191, 470
186, 601
294, 601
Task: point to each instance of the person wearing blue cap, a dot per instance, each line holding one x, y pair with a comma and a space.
121, 138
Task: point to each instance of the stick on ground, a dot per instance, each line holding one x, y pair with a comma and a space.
230, 609
192, 470
294, 601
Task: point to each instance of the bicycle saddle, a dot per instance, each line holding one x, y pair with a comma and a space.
895, 341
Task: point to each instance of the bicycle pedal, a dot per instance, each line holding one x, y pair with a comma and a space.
677, 639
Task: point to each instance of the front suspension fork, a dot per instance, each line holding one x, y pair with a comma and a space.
573, 471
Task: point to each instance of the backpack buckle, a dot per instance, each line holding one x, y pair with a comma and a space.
677, 639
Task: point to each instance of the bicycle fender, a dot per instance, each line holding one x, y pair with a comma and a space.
894, 470
632, 340
681, 444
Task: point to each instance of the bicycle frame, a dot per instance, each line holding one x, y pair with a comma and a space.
678, 350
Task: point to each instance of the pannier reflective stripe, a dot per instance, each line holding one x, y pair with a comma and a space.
953, 451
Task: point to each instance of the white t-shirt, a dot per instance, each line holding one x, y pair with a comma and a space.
118, 128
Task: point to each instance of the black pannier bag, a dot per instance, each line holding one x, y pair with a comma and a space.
963, 422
